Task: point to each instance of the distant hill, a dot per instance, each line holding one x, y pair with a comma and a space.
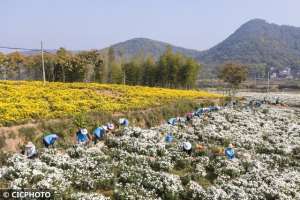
147, 47
255, 42
258, 42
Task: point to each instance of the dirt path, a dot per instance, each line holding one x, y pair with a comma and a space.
11, 136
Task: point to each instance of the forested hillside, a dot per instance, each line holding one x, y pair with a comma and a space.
258, 42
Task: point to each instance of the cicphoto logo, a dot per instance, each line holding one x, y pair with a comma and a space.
26, 194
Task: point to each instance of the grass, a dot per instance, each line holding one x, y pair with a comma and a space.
204, 182
28, 133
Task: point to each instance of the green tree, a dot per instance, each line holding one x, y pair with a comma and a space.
94, 65
111, 63
16, 61
233, 74
175, 70
188, 73
116, 73
75, 70
133, 72
62, 63
149, 72
3, 65
162, 74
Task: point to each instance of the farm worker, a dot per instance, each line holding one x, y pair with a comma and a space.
258, 103
199, 112
265, 100
180, 119
172, 121
99, 132
49, 140
189, 116
215, 108
82, 136
169, 138
30, 150
206, 110
110, 126
229, 152
187, 147
123, 122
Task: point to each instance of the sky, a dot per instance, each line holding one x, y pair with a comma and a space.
95, 24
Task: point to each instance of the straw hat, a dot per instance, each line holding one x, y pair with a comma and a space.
110, 126
121, 121
105, 128
187, 145
29, 145
84, 131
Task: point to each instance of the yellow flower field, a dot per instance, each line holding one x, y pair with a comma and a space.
24, 100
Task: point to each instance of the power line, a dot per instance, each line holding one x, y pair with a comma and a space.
18, 48
24, 49
35, 50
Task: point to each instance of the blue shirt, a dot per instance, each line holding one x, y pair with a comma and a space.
50, 139
172, 121
214, 108
99, 132
199, 111
229, 152
169, 138
81, 137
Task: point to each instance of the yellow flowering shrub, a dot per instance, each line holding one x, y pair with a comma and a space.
24, 100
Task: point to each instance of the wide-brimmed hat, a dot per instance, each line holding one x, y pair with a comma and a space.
105, 128
84, 131
110, 126
121, 121
29, 145
55, 136
187, 145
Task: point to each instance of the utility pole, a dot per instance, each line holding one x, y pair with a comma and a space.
43, 64
268, 81
255, 80
124, 77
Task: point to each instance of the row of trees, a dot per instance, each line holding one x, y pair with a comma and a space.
170, 70
62, 66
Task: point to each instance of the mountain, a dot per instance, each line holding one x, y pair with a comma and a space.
258, 42
255, 42
147, 47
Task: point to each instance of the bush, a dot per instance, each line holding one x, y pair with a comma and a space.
185, 179
80, 120
29, 133
204, 182
2, 141
182, 164
3, 158
12, 135
265, 111
111, 143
